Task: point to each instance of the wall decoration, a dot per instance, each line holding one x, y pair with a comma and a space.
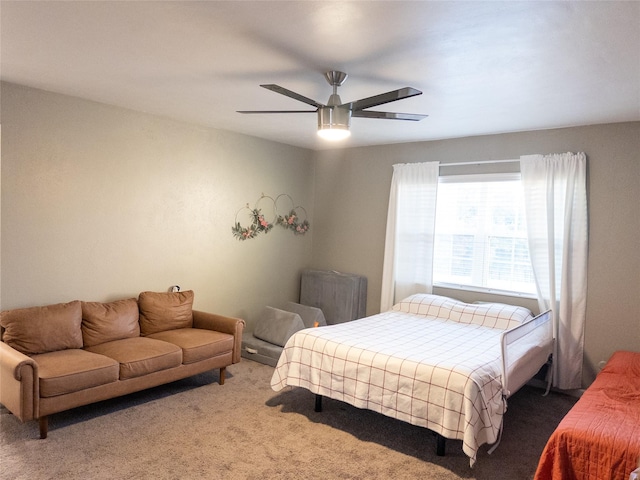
259, 222
245, 233
291, 220
260, 219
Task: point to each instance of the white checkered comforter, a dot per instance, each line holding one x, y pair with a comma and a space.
435, 373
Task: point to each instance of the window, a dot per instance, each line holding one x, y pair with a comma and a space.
480, 234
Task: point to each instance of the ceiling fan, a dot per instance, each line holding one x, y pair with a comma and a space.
334, 118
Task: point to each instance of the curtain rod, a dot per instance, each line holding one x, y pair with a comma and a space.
479, 162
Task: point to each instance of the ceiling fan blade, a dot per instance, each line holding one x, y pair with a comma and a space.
276, 111
290, 94
392, 96
415, 117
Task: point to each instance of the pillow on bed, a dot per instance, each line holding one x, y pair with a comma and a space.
427, 305
493, 315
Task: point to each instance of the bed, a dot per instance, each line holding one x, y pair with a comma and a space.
431, 361
599, 439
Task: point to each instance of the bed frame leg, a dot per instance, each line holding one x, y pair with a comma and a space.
440, 444
549, 376
318, 407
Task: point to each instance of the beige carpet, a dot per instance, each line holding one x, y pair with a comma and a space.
196, 429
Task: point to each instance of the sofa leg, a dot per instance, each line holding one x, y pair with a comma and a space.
44, 426
222, 371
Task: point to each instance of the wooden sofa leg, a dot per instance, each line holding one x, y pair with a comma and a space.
44, 426
222, 371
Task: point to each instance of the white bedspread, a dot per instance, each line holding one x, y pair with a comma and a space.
434, 373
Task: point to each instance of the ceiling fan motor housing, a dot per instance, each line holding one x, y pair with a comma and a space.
334, 117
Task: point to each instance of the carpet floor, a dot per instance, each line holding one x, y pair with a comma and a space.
197, 429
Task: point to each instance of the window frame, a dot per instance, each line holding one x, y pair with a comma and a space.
468, 178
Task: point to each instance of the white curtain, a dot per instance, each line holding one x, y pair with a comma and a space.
556, 211
408, 253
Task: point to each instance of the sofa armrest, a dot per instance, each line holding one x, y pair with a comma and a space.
220, 323
19, 384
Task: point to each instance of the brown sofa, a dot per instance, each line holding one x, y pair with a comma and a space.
62, 356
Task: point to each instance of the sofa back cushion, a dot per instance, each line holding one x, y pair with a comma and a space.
104, 322
165, 311
37, 330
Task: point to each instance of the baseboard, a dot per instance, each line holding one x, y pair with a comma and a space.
577, 392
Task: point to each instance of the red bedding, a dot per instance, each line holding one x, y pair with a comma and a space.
599, 439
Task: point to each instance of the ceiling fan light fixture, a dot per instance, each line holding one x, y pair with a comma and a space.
334, 134
334, 122
334, 118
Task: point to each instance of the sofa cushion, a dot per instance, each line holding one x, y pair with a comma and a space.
276, 326
197, 344
165, 311
104, 322
140, 356
50, 328
72, 370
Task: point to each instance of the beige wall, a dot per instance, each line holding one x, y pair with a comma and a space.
100, 203
352, 190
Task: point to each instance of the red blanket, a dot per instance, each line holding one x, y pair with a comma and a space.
599, 439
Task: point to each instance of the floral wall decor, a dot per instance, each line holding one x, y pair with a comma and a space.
262, 223
291, 220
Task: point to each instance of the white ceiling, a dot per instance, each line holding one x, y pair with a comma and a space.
484, 67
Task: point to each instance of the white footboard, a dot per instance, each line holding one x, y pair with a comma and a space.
525, 349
